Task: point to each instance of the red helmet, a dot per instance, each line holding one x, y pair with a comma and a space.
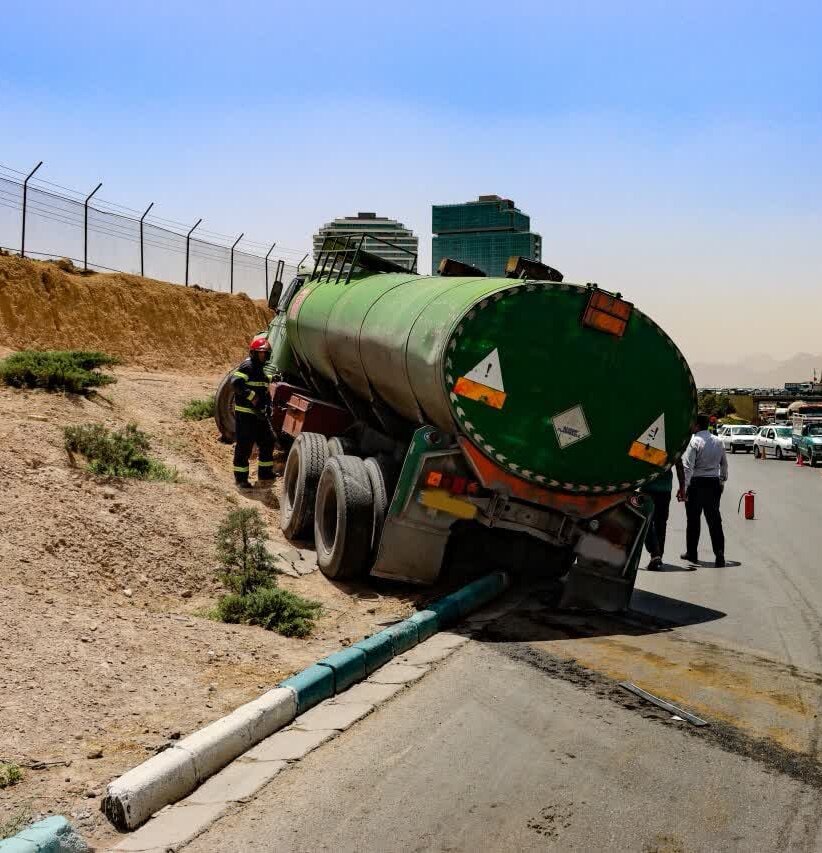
259, 343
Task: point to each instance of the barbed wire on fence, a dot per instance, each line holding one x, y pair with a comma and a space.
56, 222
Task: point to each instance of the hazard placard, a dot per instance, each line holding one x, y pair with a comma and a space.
650, 445
483, 382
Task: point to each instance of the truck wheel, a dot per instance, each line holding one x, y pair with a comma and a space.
303, 469
378, 490
733, 448
224, 408
343, 518
341, 446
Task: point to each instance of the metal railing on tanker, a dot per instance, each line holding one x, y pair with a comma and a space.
43, 220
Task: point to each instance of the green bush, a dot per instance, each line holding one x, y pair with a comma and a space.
248, 571
116, 453
10, 774
75, 371
271, 608
241, 549
199, 410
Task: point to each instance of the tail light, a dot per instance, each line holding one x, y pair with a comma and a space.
452, 483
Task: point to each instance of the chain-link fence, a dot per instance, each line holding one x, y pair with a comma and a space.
43, 220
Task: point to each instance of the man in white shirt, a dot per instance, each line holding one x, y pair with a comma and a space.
706, 472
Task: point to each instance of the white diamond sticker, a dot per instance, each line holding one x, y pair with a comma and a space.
570, 426
488, 372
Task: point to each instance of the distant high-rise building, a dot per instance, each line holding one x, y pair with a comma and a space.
373, 226
483, 233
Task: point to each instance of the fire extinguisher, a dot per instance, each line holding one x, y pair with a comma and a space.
748, 500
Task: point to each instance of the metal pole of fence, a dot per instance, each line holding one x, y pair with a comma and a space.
25, 195
231, 290
266, 270
142, 269
85, 225
188, 241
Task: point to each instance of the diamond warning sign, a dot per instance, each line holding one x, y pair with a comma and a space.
483, 382
650, 446
570, 426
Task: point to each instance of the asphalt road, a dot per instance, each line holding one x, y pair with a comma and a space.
487, 753
522, 741
769, 597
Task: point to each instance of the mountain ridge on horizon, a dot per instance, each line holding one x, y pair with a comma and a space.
758, 370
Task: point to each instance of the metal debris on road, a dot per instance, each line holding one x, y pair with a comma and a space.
661, 703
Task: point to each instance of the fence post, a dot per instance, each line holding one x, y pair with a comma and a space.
85, 225
266, 270
142, 270
188, 241
25, 194
231, 290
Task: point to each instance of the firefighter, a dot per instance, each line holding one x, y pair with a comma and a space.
251, 400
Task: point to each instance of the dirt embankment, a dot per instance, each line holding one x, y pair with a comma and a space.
149, 323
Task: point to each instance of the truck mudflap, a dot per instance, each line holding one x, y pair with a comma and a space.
607, 558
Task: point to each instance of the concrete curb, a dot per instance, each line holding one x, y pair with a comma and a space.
166, 778
52, 835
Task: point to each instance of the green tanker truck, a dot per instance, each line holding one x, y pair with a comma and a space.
433, 419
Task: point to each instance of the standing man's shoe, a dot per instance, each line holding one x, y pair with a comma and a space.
720, 561
689, 558
655, 565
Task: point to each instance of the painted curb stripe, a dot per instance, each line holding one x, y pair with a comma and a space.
150, 787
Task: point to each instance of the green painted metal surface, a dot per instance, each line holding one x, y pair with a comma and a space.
567, 402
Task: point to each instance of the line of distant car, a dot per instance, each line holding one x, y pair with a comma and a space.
780, 441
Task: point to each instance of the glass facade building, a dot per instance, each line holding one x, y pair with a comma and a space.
378, 226
483, 233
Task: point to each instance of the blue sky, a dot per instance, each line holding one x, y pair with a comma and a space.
670, 153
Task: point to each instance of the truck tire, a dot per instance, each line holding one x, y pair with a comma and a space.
303, 469
341, 446
343, 518
224, 408
380, 494
733, 448
757, 452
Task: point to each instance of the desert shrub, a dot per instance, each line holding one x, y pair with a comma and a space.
75, 371
116, 453
245, 562
199, 410
15, 822
248, 571
10, 774
271, 608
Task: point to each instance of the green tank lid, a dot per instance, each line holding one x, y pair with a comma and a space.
562, 404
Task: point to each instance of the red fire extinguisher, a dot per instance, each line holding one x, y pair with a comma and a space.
748, 500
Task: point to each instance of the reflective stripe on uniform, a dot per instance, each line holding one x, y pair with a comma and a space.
265, 464
244, 409
240, 375
240, 469
251, 395
257, 384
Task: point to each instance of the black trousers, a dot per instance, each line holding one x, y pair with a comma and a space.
251, 430
655, 537
704, 494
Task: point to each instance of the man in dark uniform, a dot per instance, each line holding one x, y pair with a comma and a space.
250, 406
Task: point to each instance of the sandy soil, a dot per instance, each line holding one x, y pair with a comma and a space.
100, 586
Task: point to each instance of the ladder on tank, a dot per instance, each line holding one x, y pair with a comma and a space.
344, 253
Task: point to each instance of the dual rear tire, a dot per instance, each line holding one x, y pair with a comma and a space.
342, 497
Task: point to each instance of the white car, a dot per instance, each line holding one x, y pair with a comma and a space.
774, 440
737, 437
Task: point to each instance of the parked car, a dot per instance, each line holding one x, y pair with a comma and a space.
774, 440
807, 437
737, 437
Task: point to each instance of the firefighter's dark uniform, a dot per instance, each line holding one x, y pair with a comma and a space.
250, 399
